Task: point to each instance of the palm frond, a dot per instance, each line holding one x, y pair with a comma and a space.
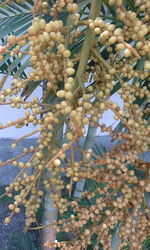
15, 18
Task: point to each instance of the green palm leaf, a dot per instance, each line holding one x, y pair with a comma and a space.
15, 19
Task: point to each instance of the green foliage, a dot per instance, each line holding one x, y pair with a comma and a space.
146, 243
15, 19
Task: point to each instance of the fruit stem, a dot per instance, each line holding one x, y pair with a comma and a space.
88, 43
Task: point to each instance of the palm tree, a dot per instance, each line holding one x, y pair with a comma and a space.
93, 65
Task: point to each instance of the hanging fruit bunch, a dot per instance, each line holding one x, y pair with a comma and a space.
82, 52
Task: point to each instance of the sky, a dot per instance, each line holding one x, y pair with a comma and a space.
11, 114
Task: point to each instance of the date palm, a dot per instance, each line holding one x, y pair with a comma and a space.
88, 52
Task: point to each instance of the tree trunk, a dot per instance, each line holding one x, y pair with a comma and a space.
49, 216
87, 45
50, 212
85, 54
88, 144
